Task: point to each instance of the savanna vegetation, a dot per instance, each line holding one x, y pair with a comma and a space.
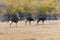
29, 6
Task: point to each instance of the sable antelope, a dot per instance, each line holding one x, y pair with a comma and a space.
28, 19
41, 18
15, 20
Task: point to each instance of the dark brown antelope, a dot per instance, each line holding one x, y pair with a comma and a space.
41, 18
15, 20
28, 19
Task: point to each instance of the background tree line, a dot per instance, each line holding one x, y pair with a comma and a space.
29, 6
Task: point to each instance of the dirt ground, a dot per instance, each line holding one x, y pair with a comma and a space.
48, 31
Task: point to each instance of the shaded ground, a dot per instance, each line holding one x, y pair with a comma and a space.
49, 31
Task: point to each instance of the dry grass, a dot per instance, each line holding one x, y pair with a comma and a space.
49, 31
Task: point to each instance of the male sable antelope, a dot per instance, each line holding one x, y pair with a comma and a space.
28, 19
15, 20
41, 18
